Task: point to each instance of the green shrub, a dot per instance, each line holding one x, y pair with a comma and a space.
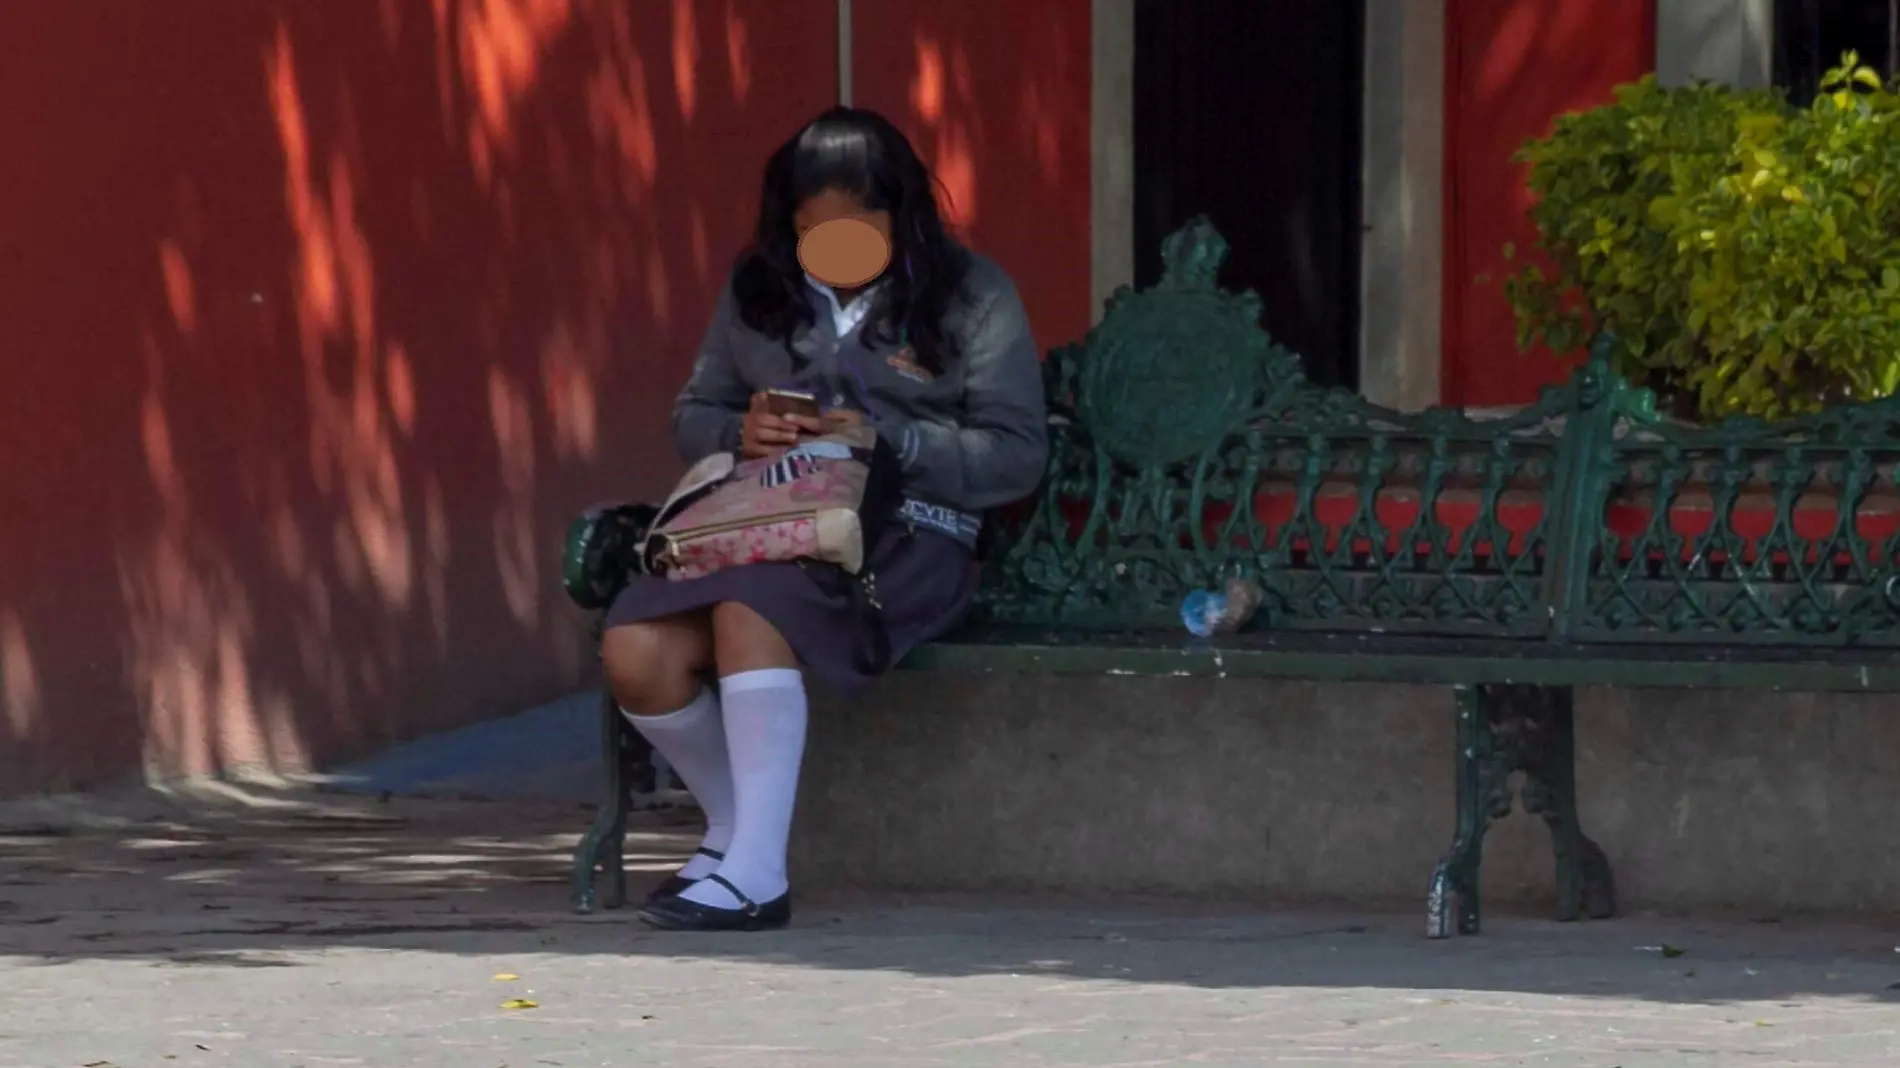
1744, 253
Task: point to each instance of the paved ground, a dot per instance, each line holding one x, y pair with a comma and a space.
264, 929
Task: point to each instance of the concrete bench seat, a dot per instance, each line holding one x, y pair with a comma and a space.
1350, 657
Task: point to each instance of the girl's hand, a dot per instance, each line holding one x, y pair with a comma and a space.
842, 419
764, 434
829, 423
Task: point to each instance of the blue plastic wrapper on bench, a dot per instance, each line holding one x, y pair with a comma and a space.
1206, 613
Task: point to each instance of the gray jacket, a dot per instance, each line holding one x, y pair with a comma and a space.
971, 439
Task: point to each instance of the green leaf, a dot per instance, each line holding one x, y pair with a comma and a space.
1732, 239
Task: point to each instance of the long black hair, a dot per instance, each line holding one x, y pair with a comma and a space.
860, 153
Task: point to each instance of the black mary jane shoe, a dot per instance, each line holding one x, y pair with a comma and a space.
679, 914
675, 884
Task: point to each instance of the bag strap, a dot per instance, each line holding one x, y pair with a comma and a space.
872, 648
870, 635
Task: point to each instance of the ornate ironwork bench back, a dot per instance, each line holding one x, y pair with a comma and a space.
1187, 447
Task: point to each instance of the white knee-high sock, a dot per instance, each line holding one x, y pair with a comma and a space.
693, 740
765, 715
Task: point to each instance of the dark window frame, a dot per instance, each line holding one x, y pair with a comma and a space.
1810, 36
1287, 195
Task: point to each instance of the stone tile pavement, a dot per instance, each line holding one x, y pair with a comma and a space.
268, 927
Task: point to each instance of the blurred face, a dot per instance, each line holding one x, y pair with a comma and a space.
841, 242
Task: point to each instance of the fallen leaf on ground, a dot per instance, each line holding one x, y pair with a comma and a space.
520, 1003
1672, 951
506, 977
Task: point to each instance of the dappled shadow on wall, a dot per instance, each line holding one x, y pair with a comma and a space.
329, 316
1514, 66
995, 96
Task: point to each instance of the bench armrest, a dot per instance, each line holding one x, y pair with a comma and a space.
601, 552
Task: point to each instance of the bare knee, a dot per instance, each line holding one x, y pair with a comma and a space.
653, 668
744, 640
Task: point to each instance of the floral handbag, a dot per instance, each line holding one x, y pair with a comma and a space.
824, 503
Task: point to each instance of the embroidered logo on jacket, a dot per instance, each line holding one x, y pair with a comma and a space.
904, 362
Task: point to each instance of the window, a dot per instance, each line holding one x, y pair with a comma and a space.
1810, 36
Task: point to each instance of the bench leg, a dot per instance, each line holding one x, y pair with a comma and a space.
1481, 779
603, 847
1584, 883
1505, 729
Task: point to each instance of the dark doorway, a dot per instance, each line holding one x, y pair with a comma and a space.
1811, 35
1248, 112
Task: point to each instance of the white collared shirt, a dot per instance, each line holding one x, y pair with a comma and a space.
844, 318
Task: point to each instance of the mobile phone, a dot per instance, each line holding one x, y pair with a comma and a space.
784, 402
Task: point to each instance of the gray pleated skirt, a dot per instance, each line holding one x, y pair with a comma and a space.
925, 581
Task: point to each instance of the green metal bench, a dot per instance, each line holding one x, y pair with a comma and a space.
1579, 541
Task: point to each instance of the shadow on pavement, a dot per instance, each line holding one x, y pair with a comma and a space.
255, 877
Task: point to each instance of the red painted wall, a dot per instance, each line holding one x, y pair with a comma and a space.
321, 319
995, 94
1511, 67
